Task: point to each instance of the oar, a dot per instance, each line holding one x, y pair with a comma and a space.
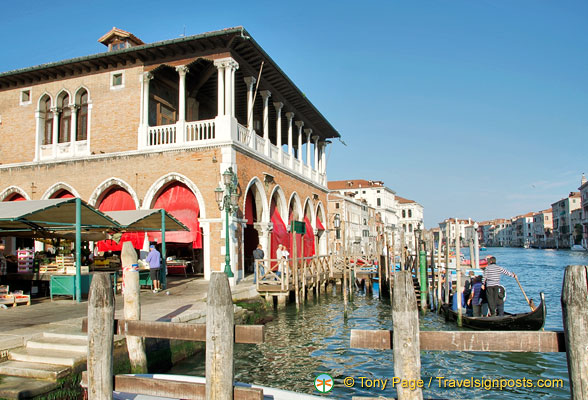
524, 294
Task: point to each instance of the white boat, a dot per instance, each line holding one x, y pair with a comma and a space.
268, 393
578, 247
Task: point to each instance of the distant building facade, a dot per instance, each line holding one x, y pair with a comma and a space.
562, 219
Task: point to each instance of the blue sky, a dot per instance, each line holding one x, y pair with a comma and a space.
473, 108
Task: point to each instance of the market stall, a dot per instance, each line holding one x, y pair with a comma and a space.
73, 222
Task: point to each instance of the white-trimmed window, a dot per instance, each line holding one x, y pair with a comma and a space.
117, 80
25, 97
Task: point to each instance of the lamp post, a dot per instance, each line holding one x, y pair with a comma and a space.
337, 224
227, 200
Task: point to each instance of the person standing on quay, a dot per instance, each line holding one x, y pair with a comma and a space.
154, 260
258, 254
492, 274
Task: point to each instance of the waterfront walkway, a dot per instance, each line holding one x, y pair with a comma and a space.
61, 321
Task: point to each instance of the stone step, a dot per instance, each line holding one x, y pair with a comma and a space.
67, 336
79, 345
14, 387
34, 370
44, 356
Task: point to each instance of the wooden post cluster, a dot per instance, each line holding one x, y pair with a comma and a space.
447, 274
458, 284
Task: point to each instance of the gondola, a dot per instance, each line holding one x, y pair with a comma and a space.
530, 321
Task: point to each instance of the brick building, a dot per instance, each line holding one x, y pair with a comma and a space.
155, 125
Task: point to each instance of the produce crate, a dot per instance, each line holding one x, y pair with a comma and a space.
7, 299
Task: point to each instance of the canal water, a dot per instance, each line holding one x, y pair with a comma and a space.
300, 345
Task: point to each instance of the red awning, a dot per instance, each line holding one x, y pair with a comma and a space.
178, 200
319, 226
279, 233
118, 199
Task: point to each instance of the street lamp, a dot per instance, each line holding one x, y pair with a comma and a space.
417, 232
337, 224
227, 200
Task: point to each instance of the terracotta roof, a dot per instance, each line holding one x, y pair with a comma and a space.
402, 200
354, 184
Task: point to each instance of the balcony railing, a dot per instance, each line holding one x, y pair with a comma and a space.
209, 131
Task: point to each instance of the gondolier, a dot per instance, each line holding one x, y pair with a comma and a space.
492, 282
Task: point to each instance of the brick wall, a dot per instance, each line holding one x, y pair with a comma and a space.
115, 113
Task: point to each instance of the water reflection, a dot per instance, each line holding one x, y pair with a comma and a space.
299, 345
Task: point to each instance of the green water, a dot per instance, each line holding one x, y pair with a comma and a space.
299, 345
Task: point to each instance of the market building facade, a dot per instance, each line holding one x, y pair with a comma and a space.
157, 125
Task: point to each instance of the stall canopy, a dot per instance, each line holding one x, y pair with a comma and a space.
50, 215
145, 220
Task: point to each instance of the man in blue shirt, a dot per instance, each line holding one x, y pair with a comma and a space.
154, 260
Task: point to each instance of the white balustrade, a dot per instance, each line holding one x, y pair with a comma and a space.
161, 135
274, 152
197, 131
243, 134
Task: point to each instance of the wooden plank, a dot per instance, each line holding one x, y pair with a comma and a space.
487, 341
251, 334
574, 304
169, 388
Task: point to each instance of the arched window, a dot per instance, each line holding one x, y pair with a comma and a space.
47, 115
82, 131
409, 213
403, 213
404, 226
64, 120
410, 227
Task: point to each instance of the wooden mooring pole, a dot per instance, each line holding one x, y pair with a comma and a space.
344, 286
574, 303
100, 337
458, 291
219, 338
132, 307
405, 319
447, 274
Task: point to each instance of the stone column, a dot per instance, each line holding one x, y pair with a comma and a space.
290, 116
324, 158
279, 106
220, 66
144, 140
299, 124
39, 135
250, 82
265, 95
230, 68
56, 111
73, 128
181, 125
308, 158
315, 138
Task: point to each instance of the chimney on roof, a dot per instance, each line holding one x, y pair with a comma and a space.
583, 179
117, 39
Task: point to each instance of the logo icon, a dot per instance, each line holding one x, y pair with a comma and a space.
323, 383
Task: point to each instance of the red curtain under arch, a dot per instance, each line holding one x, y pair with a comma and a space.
15, 197
178, 200
63, 194
118, 199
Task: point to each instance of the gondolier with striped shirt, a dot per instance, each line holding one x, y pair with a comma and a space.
492, 274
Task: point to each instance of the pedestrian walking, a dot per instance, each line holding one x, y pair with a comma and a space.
258, 255
154, 260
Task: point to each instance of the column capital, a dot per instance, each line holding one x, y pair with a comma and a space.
278, 105
147, 76
315, 138
290, 115
299, 124
308, 131
182, 70
250, 81
55, 110
74, 107
227, 62
265, 94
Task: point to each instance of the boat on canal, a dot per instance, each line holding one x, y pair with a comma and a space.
530, 321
